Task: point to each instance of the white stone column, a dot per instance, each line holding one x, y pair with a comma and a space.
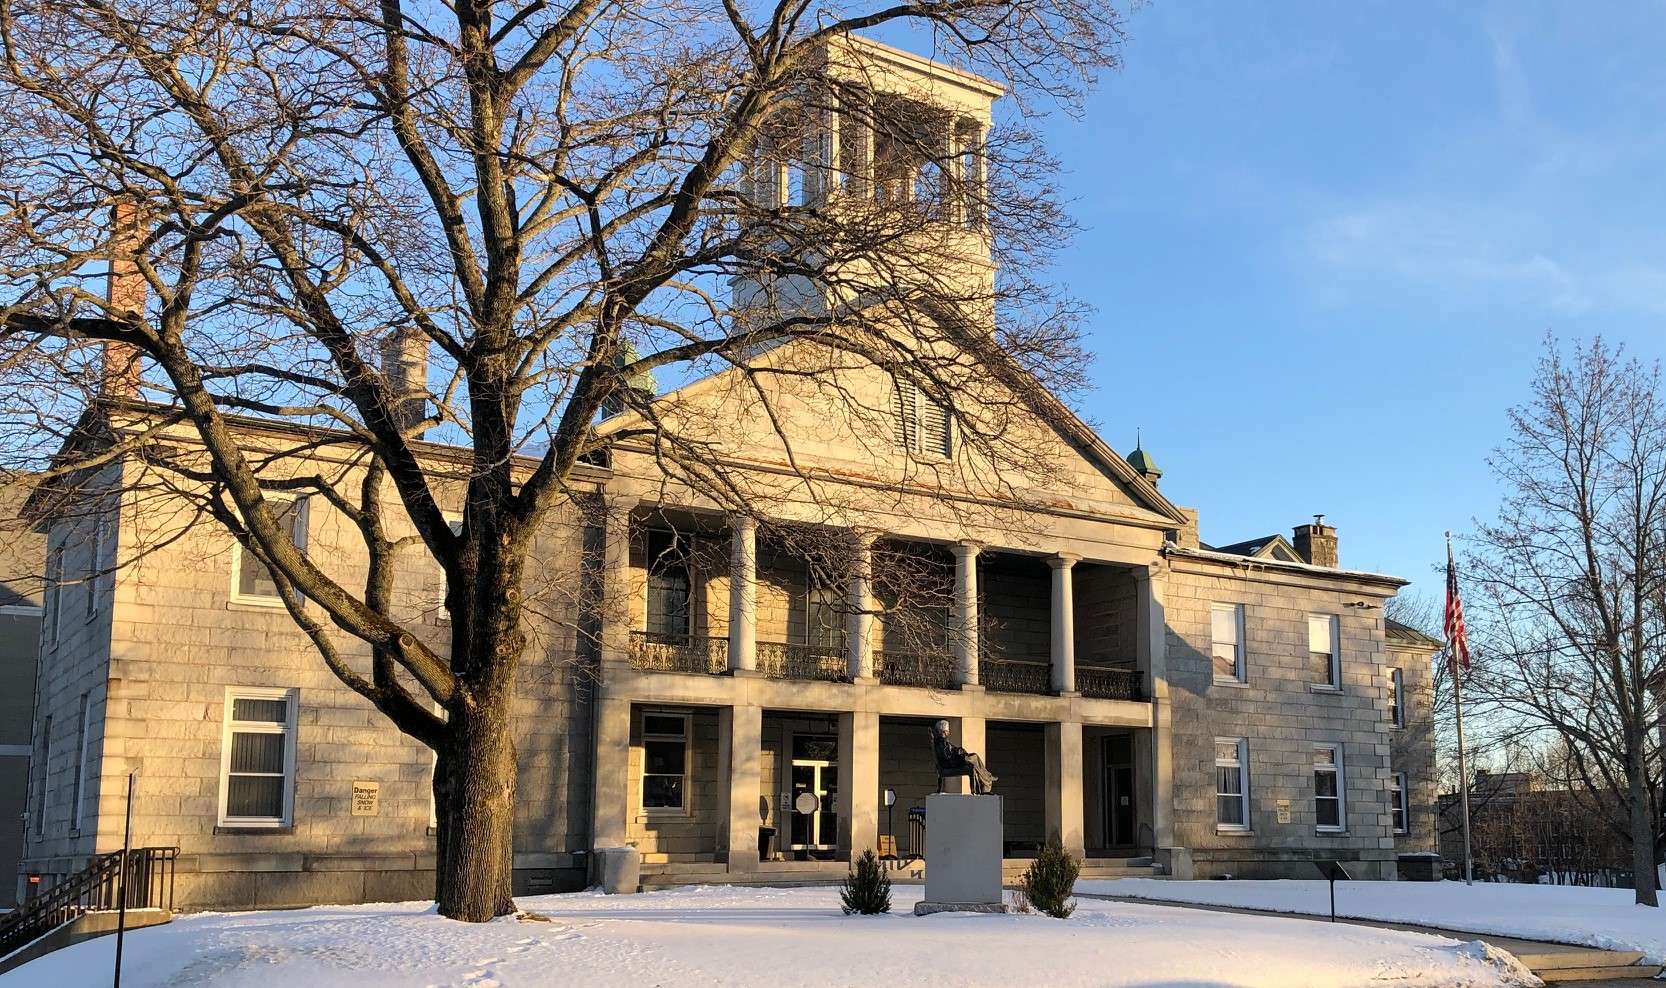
618, 612
1064, 812
966, 612
859, 782
740, 742
859, 610
1064, 623
1153, 661
743, 594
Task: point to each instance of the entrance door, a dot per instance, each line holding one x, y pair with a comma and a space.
814, 772
1120, 809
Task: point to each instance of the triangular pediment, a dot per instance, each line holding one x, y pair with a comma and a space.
802, 408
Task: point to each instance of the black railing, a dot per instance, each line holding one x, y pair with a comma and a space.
149, 885
703, 654
1015, 676
1110, 684
932, 670
780, 660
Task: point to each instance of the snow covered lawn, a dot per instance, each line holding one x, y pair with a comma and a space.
736, 936
1593, 917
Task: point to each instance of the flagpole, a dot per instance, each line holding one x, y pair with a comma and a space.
1458, 706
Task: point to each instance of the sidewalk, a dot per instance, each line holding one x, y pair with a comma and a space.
1566, 965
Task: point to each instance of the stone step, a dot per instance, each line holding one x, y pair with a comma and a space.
1610, 973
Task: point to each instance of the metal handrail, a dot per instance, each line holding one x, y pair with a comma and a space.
149, 885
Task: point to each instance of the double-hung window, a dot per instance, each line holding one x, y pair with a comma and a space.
54, 593
1329, 813
44, 793
664, 762
1397, 799
1226, 646
670, 586
252, 582
1232, 784
1397, 697
80, 765
1323, 652
257, 758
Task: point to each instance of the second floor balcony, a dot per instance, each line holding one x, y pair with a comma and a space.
714, 598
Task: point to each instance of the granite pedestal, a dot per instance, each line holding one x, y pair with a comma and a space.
963, 855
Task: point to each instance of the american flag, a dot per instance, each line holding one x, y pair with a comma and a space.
1457, 640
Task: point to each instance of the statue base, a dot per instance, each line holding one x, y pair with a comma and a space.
927, 908
963, 853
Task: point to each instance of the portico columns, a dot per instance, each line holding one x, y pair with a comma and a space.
1064, 815
616, 616
966, 612
859, 610
740, 742
743, 594
859, 781
1064, 623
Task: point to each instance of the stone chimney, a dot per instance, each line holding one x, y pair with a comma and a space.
125, 291
1316, 543
405, 366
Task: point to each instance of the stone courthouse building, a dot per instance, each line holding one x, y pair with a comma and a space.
732, 701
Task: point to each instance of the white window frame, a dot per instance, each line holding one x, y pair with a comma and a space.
43, 798
1335, 632
301, 522
688, 758
1243, 767
1341, 797
80, 763
1397, 696
95, 564
1399, 803
55, 592
440, 617
1240, 674
288, 729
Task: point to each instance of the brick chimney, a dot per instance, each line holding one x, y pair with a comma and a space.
125, 291
1316, 543
405, 366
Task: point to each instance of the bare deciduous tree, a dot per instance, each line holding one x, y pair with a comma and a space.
1572, 583
301, 203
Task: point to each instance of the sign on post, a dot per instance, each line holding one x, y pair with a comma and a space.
1333, 872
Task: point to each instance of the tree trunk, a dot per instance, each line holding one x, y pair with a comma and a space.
1643, 877
475, 846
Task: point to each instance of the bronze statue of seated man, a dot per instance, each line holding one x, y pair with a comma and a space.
954, 761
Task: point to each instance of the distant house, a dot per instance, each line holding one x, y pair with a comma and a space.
1523, 831
735, 707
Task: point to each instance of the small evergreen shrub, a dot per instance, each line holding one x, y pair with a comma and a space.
866, 890
1050, 880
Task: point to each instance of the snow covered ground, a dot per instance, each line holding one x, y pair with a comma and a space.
736, 936
1593, 917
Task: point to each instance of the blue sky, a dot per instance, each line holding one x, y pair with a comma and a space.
1325, 242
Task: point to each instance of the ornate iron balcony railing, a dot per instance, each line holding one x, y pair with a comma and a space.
932, 670
700, 654
1015, 676
1110, 684
781, 660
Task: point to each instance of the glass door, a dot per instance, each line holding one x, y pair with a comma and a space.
814, 778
